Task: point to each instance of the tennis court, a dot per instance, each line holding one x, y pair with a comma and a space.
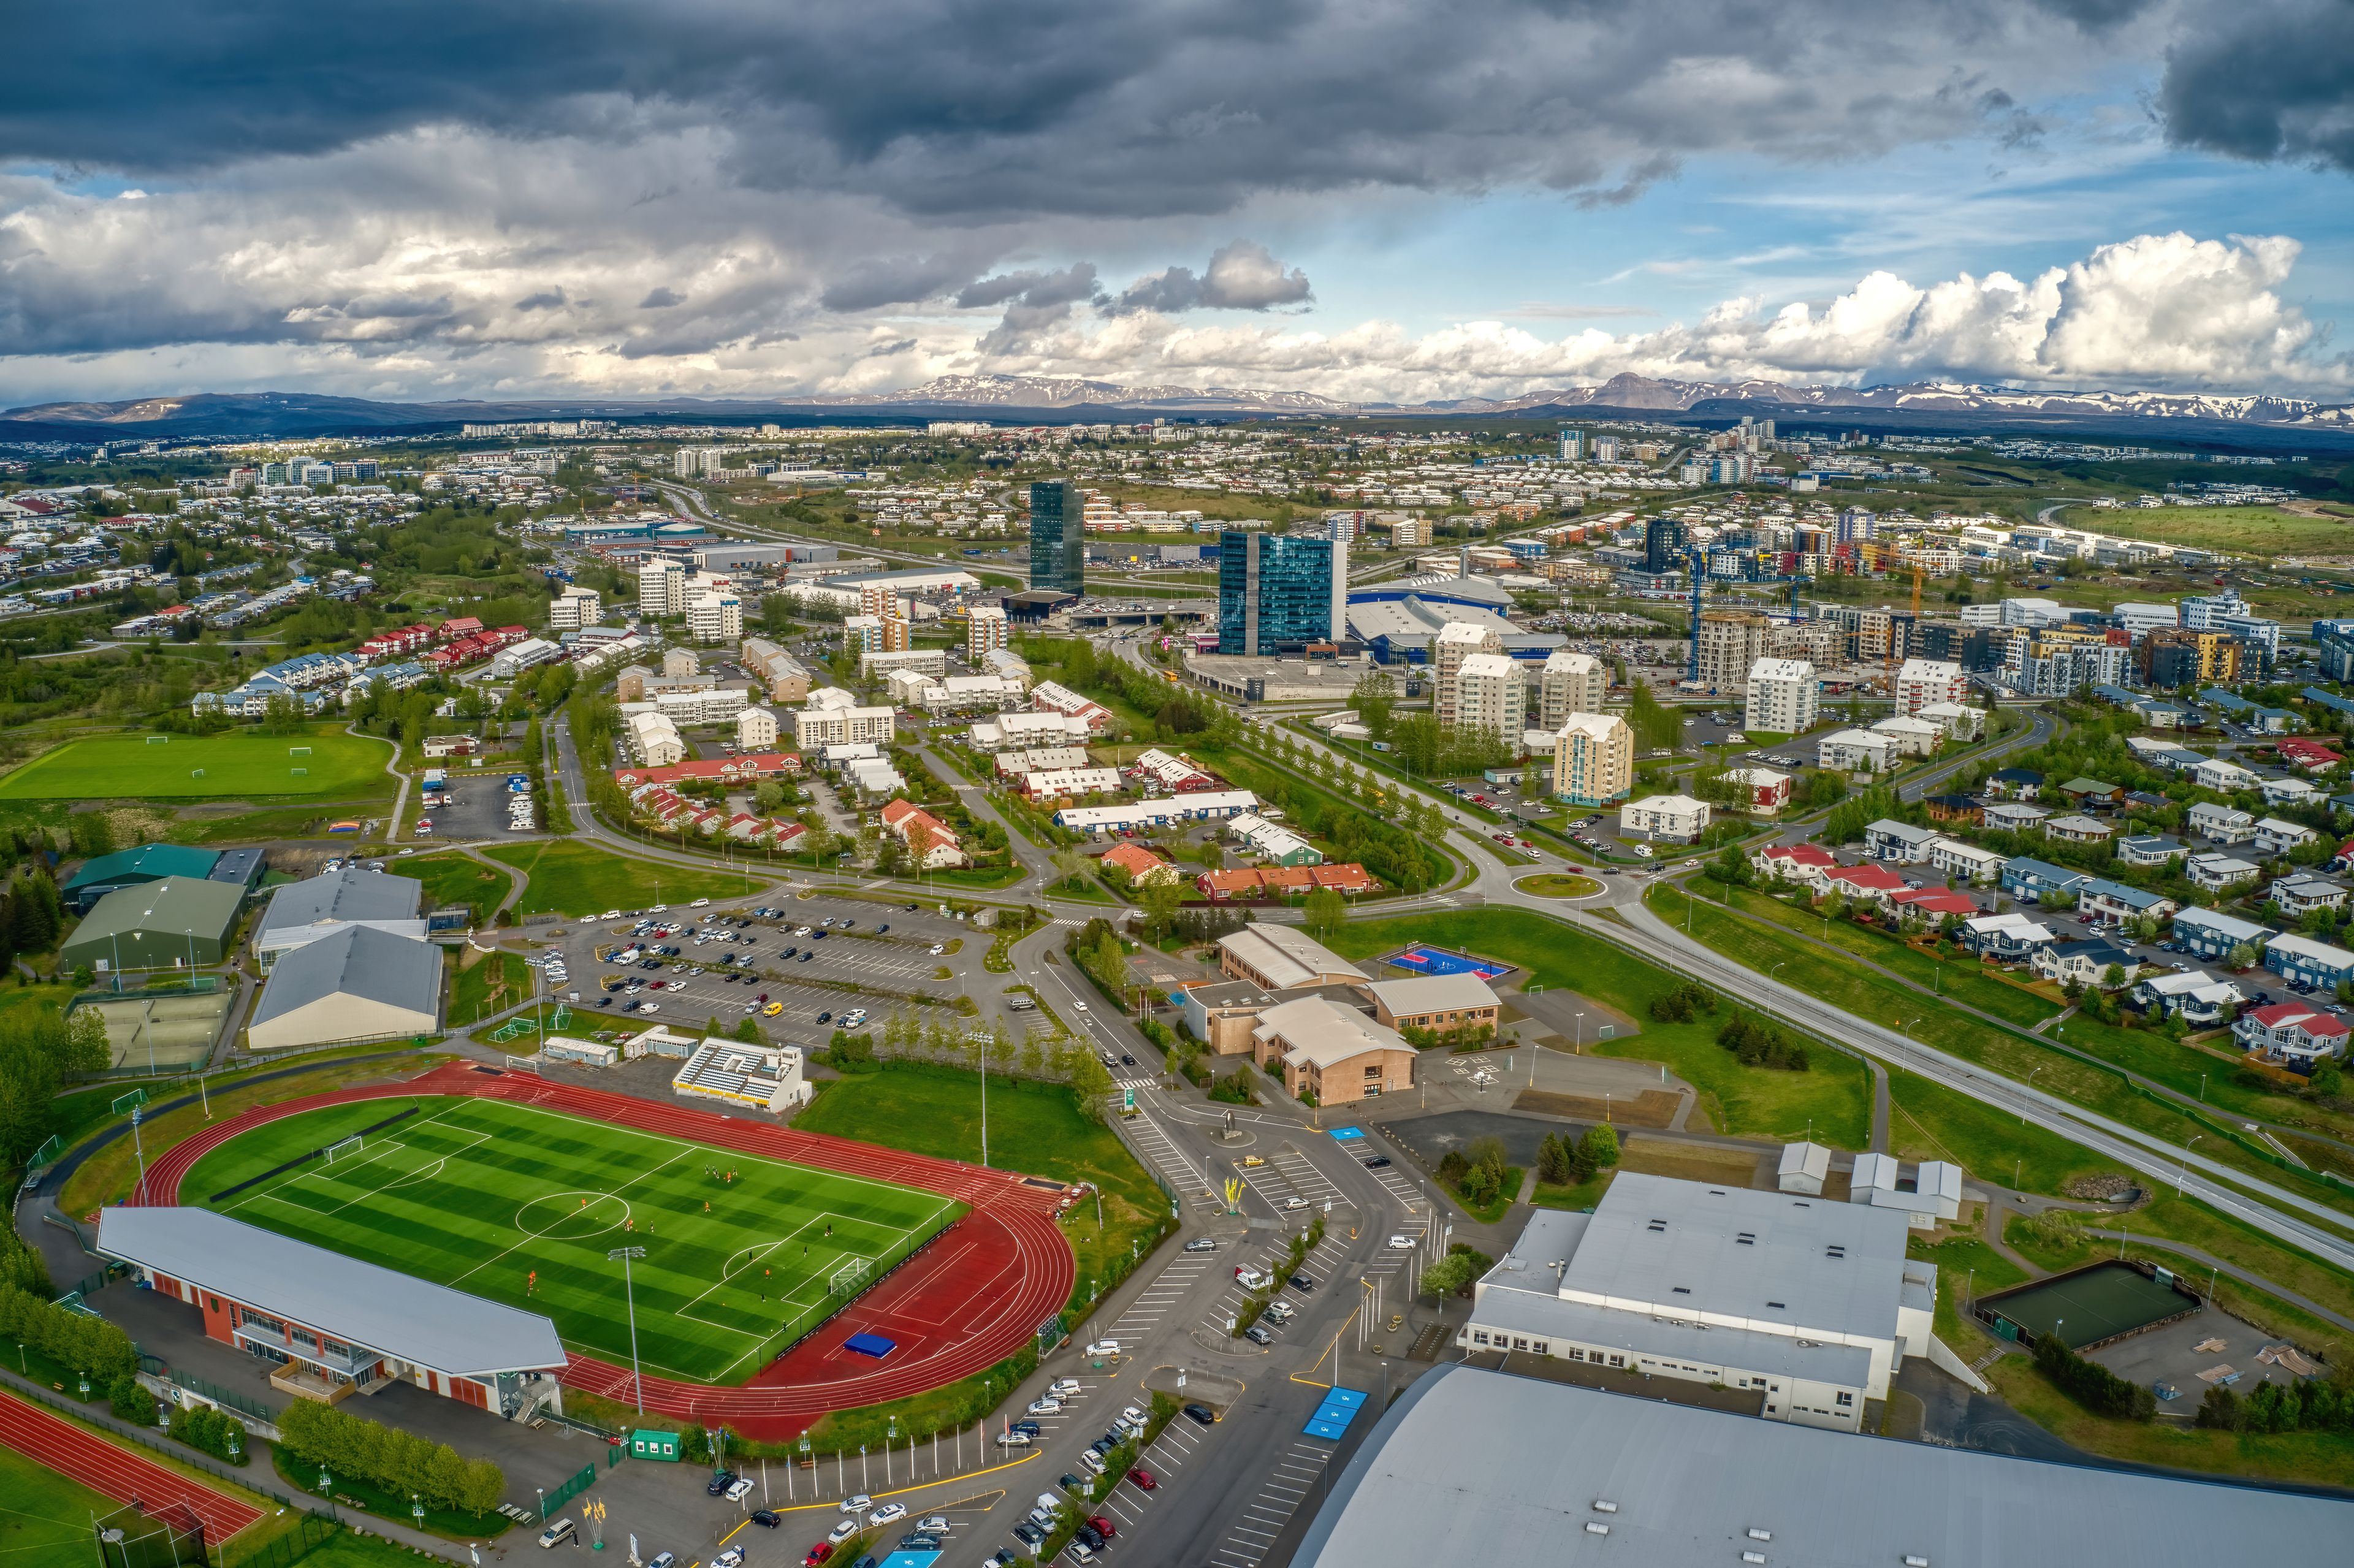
1427, 961
162, 1032
2087, 1307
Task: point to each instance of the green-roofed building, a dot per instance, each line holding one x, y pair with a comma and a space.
94, 879
176, 922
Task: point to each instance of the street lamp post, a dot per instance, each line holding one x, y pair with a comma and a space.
2023, 1106
2182, 1173
629, 1291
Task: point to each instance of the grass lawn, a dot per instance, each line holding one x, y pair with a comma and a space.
482, 1195
455, 878
44, 1516
2244, 530
1929, 1121
487, 983
234, 763
1584, 1195
1961, 977
1835, 1099
282, 822
2320, 1456
1558, 884
1034, 1128
578, 880
350, 1551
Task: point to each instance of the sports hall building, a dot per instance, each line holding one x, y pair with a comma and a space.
333, 1326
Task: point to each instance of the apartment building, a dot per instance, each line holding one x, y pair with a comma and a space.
1783, 696
715, 618
985, 632
661, 586
1593, 759
1458, 640
1922, 682
1731, 641
1570, 683
1492, 698
573, 609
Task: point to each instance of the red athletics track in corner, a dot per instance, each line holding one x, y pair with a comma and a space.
106, 1468
975, 1296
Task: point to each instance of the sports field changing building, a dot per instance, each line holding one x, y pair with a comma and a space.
331, 1325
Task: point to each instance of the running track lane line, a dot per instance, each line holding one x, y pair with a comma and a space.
1013, 1223
103, 1467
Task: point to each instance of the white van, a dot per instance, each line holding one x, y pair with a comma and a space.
556, 1534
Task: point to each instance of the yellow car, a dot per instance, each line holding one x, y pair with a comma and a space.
773, 1009
1252, 1162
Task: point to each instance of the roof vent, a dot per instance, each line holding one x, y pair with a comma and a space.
1595, 1527
1682, 1289
1747, 1238
1753, 1557
1659, 1224
1835, 1250
1756, 1534
1716, 1191
1778, 1306
1802, 1205
1604, 1505
1913, 1559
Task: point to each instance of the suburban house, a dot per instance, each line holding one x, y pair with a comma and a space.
1967, 862
931, 841
2196, 997
2221, 825
2150, 849
2214, 873
1895, 841
2276, 835
1958, 720
2113, 903
2301, 894
2292, 1033
2007, 938
1793, 863
2076, 829
1770, 788
2093, 794
2015, 784
1951, 811
1912, 737
1932, 904
2303, 962
2223, 778
2014, 817
2309, 755
2211, 934
1866, 884
2291, 792
1144, 868
2032, 881
2086, 962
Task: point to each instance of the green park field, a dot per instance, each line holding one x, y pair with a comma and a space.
482, 1194
2235, 530
236, 763
580, 880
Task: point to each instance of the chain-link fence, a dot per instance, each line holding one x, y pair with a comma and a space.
310, 1533
131, 1537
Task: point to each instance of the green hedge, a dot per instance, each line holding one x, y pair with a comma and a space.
90, 1346
395, 1460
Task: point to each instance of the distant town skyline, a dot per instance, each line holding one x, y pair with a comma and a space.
1369, 203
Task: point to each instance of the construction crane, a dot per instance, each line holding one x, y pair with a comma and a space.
1696, 569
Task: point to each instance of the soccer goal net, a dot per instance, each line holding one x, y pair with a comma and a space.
297, 751
345, 1148
159, 740
849, 1277
523, 1063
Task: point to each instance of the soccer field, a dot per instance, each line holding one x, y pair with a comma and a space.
194, 766
483, 1194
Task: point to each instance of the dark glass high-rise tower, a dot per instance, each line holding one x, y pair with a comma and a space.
1279, 592
1058, 537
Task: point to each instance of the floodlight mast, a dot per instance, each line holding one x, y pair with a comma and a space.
628, 1290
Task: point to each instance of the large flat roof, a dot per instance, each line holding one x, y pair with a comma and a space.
1806, 1262
1542, 1313
349, 893
1476, 1466
409, 1318
1288, 956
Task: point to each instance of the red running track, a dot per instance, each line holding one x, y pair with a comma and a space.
975, 1296
117, 1472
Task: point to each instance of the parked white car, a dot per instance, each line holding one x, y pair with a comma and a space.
1104, 1348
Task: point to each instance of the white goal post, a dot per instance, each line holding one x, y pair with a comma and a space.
523, 1064
846, 1280
344, 1147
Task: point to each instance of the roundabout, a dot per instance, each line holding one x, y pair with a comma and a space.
1558, 884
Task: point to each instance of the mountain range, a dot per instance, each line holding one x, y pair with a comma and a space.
2261, 419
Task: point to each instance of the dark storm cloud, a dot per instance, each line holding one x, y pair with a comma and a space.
660, 300
961, 109
896, 281
1037, 289
2272, 79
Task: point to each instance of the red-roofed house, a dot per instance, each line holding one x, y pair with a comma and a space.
1286, 881
725, 771
2291, 1033
932, 842
1793, 863
1863, 884
1935, 903
1143, 867
2309, 755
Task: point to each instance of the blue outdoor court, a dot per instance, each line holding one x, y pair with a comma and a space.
1428, 960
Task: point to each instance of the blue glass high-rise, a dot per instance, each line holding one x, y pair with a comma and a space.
1276, 592
1058, 539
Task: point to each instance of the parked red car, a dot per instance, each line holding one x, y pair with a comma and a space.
1142, 1478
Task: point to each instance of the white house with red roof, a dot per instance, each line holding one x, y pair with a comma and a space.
1934, 903
2291, 1033
2309, 755
1873, 884
912, 823
1792, 862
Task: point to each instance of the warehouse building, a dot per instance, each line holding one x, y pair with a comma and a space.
1510, 1472
330, 1325
177, 922
1809, 1305
354, 983
303, 911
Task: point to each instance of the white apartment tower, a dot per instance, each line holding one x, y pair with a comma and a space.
1783, 696
715, 618
1731, 640
1922, 682
1490, 697
575, 608
1571, 683
661, 586
1456, 641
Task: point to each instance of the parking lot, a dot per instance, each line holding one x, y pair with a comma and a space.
476, 809
742, 958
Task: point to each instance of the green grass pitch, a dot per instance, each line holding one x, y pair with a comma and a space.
235, 763
480, 1195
